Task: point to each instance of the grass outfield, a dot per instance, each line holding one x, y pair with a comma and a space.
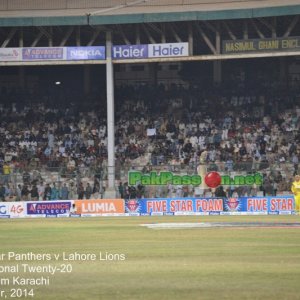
204, 263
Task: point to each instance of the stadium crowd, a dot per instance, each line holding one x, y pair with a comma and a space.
157, 128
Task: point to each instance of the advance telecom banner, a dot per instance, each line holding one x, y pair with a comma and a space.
53, 53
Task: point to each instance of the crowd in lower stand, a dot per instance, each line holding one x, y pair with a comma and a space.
157, 128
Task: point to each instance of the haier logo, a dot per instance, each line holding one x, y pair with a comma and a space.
133, 51
151, 50
83, 53
168, 50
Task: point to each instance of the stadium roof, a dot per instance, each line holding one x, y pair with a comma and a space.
105, 12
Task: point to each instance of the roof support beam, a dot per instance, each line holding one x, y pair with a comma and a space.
151, 39
50, 39
155, 28
94, 37
245, 30
9, 37
21, 38
163, 33
177, 37
37, 39
269, 26
190, 38
291, 26
210, 26
66, 37
230, 33
258, 31
138, 35
206, 39
78, 37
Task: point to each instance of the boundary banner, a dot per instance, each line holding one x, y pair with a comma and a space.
48, 208
269, 204
280, 205
211, 206
12, 210
100, 207
176, 206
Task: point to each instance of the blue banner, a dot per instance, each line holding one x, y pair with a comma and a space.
49, 208
212, 206
174, 205
86, 53
272, 205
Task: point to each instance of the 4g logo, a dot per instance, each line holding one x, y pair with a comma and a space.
16, 209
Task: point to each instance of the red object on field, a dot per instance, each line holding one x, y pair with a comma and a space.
212, 179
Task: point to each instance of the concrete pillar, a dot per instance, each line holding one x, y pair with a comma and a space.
111, 190
21, 73
217, 64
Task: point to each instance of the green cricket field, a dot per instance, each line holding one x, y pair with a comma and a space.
116, 258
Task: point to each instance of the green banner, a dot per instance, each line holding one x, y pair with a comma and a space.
261, 45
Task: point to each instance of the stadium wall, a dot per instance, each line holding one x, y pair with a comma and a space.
150, 207
81, 4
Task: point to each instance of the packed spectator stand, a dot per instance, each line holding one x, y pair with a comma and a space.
52, 149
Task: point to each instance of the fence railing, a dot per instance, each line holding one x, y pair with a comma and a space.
276, 178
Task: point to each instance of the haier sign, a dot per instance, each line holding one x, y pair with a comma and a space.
168, 50
130, 51
150, 51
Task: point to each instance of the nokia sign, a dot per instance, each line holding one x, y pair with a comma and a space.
86, 53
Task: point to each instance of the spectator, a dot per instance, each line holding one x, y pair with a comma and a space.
54, 192
2, 192
88, 191
25, 193
73, 195
80, 191
121, 190
220, 192
47, 193
64, 192
41, 190
34, 193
